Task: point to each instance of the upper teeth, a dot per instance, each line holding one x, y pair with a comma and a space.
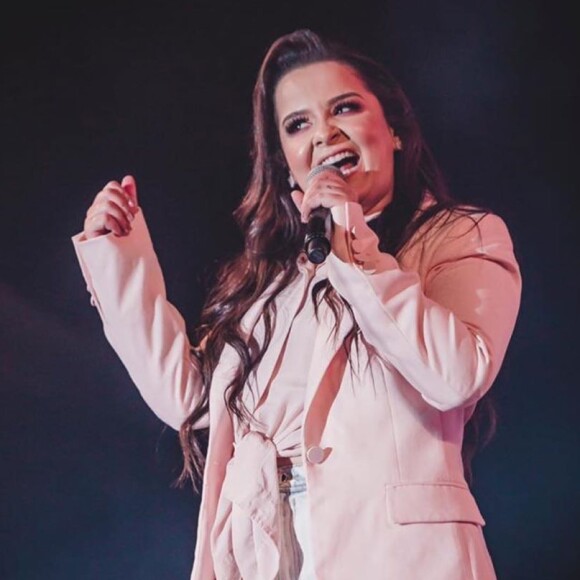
336, 158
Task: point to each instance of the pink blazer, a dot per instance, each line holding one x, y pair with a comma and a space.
382, 430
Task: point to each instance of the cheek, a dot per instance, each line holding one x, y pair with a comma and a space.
296, 156
376, 134
379, 144
288, 155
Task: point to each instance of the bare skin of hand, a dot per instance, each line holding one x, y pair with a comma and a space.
326, 190
113, 209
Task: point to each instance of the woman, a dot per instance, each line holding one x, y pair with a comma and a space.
336, 395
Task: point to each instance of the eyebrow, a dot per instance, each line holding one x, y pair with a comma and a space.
330, 103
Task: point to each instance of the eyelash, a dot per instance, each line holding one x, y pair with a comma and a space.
352, 105
294, 125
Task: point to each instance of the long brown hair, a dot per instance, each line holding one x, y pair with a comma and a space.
273, 233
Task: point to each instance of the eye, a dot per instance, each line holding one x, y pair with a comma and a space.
295, 125
346, 107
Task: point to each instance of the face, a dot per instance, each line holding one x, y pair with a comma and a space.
325, 114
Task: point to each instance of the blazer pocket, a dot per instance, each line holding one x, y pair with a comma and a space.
413, 503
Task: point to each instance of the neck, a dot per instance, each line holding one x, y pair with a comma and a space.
377, 207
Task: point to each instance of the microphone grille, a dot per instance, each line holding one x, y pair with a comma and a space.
319, 169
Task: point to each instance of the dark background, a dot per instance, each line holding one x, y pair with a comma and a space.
90, 92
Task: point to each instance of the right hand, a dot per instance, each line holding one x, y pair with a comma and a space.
113, 209
327, 189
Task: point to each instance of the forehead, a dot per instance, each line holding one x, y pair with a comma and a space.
307, 86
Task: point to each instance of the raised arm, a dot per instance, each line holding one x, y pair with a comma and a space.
443, 323
126, 284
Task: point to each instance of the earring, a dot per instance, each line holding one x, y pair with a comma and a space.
397, 143
291, 181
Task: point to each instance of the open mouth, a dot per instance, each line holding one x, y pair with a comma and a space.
346, 161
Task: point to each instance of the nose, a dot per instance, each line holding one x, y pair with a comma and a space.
326, 133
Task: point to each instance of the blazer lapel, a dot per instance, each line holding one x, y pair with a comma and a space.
328, 363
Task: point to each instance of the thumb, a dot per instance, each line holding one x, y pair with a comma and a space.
130, 186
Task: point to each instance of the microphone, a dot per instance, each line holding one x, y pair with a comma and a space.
316, 240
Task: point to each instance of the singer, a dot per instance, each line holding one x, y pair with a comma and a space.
338, 392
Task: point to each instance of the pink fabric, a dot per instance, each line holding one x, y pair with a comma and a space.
245, 532
278, 405
387, 496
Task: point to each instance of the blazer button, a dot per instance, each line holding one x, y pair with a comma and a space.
315, 454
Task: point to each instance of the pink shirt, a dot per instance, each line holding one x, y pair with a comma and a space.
279, 409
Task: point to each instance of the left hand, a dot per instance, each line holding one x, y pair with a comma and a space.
327, 189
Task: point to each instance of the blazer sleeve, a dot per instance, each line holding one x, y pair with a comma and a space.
445, 331
146, 331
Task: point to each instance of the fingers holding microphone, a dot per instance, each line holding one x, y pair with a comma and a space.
325, 188
113, 209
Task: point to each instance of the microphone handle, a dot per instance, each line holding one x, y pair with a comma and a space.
316, 243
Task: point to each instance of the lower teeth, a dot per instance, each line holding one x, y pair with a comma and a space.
347, 169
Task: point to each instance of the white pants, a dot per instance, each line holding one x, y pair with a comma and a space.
295, 551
